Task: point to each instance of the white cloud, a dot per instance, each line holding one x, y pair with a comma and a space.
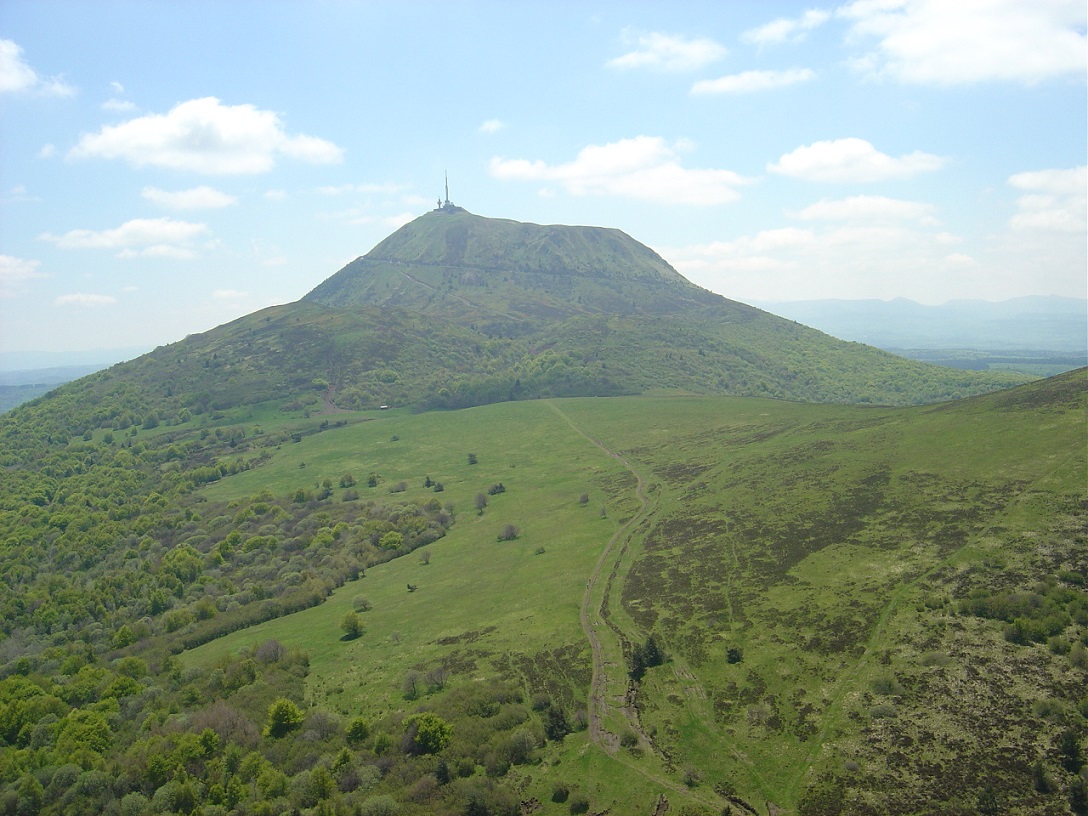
786, 29
84, 300
141, 237
17, 76
939, 42
852, 160
14, 272
206, 136
492, 126
17, 194
118, 105
47, 151
669, 52
1056, 200
750, 81
832, 261
197, 198
869, 208
117, 87
645, 168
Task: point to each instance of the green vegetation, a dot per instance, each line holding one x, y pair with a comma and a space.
687, 602
869, 609
454, 311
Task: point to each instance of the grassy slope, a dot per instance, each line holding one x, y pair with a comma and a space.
826, 542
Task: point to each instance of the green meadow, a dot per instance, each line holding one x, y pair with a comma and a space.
802, 565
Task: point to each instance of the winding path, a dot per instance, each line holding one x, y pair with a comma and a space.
591, 614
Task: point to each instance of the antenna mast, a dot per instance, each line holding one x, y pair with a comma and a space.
447, 176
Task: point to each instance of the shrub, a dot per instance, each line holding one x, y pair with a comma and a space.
578, 803
352, 625
358, 730
283, 717
509, 533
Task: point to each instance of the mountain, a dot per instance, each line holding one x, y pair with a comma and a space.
509, 276
454, 310
233, 584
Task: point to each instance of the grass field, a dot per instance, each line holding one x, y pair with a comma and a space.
801, 565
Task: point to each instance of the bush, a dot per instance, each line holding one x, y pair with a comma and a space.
352, 625
509, 533
283, 717
579, 803
358, 730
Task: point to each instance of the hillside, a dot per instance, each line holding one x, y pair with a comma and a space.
852, 609
251, 573
455, 310
513, 277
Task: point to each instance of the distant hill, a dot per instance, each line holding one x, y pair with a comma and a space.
25, 375
1056, 324
16, 387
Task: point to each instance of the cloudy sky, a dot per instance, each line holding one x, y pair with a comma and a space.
168, 166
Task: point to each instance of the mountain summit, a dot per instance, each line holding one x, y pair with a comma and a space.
454, 310
511, 276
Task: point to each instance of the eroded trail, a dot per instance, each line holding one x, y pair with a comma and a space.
594, 612
609, 664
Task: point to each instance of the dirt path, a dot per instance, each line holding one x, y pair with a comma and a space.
593, 615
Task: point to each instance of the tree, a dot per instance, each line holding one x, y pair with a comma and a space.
123, 637
283, 717
481, 503
988, 803
358, 730
509, 532
1069, 748
1040, 778
352, 625
391, 540
555, 723
1078, 796
428, 732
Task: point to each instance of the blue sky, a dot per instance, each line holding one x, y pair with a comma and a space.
169, 166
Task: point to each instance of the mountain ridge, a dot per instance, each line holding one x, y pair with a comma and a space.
370, 336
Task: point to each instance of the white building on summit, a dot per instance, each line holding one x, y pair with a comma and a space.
447, 205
